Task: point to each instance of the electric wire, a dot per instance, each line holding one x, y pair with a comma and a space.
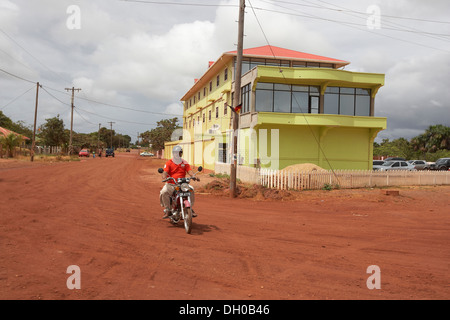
286, 82
31, 55
2, 108
342, 9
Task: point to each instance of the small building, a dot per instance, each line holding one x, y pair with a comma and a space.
5, 132
295, 108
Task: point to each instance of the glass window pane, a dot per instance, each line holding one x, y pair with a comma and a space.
282, 101
314, 101
331, 103
314, 89
299, 64
264, 85
245, 66
347, 105
272, 62
299, 102
348, 90
365, 92
332, 90
283, 87
257, 62
362, 106
264, 100
285, 63
300, 88
312, 65
326, 65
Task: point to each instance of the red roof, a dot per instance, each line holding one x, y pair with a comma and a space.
277, 52
6, 132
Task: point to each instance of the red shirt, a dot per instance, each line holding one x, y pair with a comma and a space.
176, 170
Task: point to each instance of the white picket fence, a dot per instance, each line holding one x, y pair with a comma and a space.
348, 179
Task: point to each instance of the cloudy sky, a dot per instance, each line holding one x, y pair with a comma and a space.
134, 60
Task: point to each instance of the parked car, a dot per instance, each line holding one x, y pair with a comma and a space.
376, 164
146, 154
84, 153
441, 164
419, 164
395, 159
396, 165
109, 152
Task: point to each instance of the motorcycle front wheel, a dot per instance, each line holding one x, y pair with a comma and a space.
188, 220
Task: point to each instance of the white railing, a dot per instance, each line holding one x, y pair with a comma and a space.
348, 179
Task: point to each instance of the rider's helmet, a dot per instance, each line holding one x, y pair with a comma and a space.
178, 150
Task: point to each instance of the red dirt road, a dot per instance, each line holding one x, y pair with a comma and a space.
103, 215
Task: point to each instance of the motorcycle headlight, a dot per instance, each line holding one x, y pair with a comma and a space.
184, 187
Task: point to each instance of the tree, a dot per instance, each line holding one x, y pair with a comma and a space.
162, 133
435, 138
5, 122
10, 142
52, 132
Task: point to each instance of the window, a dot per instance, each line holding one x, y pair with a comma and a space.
225, 108
347, 101
209, 115
203, 118
264, 97
222, 154
210, 86
217, 112
199, 96
204, 91
270, 97
282, 98
245, 98
217, 81
314, 104
225, 74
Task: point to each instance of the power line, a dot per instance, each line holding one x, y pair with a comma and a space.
16, 76
121, 107
307, 15
304, 116
358, 12
349, 24
189, 4
31, 55
16, 98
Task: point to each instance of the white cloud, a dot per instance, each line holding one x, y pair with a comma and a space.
146, 56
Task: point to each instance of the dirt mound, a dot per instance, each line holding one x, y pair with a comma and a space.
303, 167
247, 191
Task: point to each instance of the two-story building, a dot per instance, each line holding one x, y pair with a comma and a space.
296, 108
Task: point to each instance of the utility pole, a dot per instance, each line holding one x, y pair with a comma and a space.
111, 123
237, 97
33, 144
98, 137
71, 120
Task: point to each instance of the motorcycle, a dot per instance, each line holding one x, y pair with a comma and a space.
180, 200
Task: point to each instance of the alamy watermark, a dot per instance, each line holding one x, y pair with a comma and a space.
260, 147
74, 280
73, 21
374, 280
374, 19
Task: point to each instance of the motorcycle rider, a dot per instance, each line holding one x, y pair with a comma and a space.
176, 168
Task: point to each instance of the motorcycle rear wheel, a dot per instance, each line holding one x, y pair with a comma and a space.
188, 220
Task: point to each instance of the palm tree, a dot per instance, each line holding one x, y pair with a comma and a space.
435, 138
10, 142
